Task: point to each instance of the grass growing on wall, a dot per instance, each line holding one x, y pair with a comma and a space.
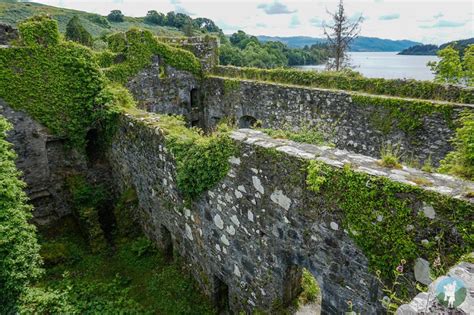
137, 47
380, 216
353, 82
19, 258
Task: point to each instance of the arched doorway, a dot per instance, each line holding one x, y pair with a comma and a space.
247, 122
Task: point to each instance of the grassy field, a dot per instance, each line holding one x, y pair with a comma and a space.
12, 13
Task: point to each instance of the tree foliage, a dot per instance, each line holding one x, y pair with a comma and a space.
77, 33
116, 16
242, 49
453, 69
340, 34
19, 258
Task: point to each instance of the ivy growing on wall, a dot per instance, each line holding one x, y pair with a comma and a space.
19, 258
386, 221
402, 114
136, 49
353, 82
201, 160
58, 83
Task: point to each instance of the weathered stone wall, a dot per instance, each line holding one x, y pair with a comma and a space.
7, 34
260, 223
362, 128
163, 89
45, 162
204, 47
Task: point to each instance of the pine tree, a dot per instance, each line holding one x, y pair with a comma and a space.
339, 35
76, 32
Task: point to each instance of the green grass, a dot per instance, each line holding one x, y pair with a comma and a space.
13, 13
132, 278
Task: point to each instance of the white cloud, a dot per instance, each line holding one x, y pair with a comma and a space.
388, 17
275, 8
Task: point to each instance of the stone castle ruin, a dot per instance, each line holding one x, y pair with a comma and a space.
249, 237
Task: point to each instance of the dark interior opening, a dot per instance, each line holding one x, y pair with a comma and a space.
195, 98
107, 220
92, 146
292, 283
166, 243
221, 296
195, 123
247, 122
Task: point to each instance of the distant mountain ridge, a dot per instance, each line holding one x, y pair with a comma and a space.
360, 44
430, 49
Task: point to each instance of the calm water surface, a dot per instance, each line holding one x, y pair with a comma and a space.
388, 65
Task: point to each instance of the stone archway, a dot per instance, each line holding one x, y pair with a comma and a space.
247, 121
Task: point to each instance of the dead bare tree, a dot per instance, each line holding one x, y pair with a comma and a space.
339, 35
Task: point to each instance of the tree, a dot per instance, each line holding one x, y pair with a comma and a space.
339, 35
77, 33
468, 65
153, 17
115, 16
449, 68
188, 29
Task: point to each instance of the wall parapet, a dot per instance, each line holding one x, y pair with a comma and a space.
264, 218
341, 81
355, 121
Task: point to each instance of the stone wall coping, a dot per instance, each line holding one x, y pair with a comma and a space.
439, 183
344, 92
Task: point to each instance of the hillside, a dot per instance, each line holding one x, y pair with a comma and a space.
430, 49
361, 43
12, 13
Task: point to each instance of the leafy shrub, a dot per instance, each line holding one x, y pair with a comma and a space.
46, 301
77, 33
19, 258
201, 161
342, 81
461, 161
39, 30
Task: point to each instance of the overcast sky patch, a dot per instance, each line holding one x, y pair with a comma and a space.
275, 8
443, 24
388, 17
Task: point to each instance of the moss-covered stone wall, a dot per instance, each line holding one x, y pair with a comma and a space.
274, 205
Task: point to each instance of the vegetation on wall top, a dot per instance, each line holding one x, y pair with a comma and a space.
353, 82
19, 258
137, 47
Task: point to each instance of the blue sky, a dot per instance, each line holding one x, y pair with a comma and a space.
427, 21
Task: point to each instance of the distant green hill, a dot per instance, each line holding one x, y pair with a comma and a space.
361, 43
12, 13
459, 45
